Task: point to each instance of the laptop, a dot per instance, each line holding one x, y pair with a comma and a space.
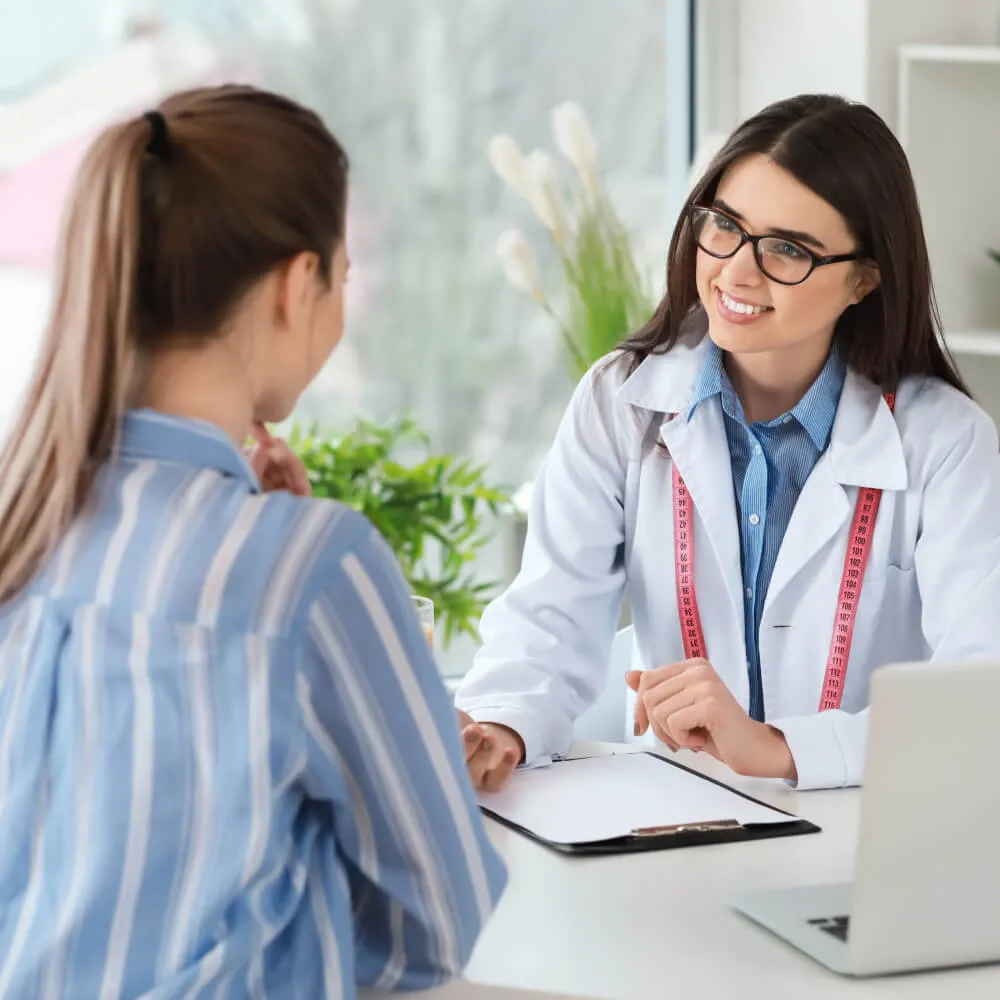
926, 890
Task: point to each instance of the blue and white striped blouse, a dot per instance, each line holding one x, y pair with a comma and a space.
228, 767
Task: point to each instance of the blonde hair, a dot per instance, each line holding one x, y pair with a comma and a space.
172, 218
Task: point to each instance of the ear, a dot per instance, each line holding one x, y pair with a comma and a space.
295, 290
866, 279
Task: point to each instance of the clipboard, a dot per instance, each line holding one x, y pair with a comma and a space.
702, 832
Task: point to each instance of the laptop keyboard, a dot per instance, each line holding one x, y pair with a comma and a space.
834, 926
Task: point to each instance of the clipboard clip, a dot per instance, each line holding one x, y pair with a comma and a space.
708, 827
558, 758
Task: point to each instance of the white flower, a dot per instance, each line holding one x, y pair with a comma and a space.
519, 263
575, 140
543, 190
508, 161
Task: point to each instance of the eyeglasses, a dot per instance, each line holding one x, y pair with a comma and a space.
781, 260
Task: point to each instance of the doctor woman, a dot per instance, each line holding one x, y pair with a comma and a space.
782, 471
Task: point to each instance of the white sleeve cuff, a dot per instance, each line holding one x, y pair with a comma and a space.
828, 748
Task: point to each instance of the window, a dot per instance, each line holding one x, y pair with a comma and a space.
415, 89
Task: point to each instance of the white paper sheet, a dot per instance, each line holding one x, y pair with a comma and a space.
599, 798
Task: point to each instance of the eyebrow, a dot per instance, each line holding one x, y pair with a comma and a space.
788, 234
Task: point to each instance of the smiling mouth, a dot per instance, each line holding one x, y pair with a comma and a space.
741, 308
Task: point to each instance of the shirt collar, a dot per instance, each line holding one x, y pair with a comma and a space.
815, 411
712, 380
147, 434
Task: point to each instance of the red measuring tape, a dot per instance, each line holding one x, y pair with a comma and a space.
855, 561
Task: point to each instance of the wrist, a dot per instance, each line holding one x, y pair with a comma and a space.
777, 759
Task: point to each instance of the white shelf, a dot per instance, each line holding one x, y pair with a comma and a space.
951, 53
948, 101
981, 343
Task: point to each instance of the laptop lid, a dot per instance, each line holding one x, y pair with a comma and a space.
927, 879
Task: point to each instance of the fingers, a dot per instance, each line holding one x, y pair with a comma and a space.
491, 766
276, 466
661, 693
260, 433
495, 779
669, 689
472, 740
257, 457
633, 678
663, 736
687, 726
300, 484
489, 759
479, 762
641, 717
645, 681
292, 471
663, 715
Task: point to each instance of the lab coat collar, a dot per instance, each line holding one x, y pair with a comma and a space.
865, 446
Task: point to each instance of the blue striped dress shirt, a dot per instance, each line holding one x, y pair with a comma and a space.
771, 462
228, 767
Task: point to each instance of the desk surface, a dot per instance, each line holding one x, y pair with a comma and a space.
648, 924
465, 990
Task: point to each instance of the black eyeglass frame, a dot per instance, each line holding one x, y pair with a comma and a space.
815, 260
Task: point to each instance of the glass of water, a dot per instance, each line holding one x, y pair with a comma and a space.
425, 612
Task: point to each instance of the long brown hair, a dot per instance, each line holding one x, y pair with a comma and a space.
172, 218
847, 154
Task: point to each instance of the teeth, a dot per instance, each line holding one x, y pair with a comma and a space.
741, 307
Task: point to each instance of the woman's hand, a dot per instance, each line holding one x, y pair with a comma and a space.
688, 705
276, 466
491, 752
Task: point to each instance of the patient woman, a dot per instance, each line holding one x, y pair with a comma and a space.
227, 764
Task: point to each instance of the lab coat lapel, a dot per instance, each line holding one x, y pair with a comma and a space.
820, 512
865, 451
701, 454
665, 384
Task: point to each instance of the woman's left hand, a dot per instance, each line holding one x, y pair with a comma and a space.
277, 467
688, 705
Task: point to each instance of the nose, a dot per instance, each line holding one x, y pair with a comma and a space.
741, 268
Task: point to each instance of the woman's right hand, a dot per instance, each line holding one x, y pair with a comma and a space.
492, 752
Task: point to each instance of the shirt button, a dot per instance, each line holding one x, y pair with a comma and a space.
756, 449
749, 594
787, 419
755, 519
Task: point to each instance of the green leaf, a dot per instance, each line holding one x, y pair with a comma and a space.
436, 511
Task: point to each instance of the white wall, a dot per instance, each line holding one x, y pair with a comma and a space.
789, 47
753, 52
892, 23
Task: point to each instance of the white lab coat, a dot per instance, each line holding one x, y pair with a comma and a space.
600, 526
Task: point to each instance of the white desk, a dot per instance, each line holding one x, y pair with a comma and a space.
658, 924
469, 991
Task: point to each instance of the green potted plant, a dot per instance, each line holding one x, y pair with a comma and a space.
431, 509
